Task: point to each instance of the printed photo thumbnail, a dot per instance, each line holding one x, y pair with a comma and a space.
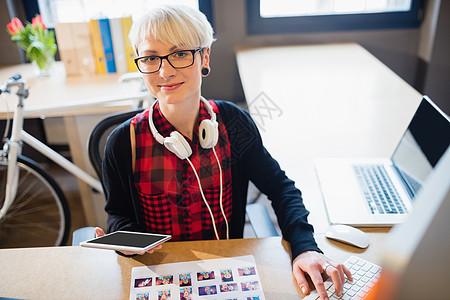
247, 271
164, 280
205, 276
164, 295
250, 286
228, 287
142, 282
142, 296
185, 279
186, 293
207, 290
226, 275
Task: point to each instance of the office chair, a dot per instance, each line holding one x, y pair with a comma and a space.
257, 213
99, 134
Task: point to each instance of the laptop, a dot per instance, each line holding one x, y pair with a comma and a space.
381, 191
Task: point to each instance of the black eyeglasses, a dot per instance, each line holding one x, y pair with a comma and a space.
178, 60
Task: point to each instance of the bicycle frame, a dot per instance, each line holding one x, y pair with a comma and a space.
13, 147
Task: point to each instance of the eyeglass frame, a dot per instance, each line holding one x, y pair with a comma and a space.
166, 57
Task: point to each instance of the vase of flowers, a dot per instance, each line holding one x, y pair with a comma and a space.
37, 41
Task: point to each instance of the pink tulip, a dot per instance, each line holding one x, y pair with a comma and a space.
15, 26
37, 22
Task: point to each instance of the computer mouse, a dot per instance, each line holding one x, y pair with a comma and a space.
348, 234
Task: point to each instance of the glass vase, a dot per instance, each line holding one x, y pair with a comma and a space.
44, 66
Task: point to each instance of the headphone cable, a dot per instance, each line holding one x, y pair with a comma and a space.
221, 193
206, 202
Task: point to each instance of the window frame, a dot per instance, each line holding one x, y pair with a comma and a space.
321, 23
205, 6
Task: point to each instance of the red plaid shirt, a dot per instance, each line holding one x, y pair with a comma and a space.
171, 202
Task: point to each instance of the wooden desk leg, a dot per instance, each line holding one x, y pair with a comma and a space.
78, 129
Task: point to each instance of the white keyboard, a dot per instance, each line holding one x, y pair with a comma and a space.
365, 275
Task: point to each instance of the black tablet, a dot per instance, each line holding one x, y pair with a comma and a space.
127, 241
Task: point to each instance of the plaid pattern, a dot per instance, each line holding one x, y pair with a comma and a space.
170, 198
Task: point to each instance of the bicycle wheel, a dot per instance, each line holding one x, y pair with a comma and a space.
39, 215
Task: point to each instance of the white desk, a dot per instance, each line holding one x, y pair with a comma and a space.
324, 100
59, 95
82, 101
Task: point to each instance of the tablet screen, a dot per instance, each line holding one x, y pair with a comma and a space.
129, 239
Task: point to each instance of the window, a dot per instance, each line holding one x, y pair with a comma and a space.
54, 11
291, 16
285, 8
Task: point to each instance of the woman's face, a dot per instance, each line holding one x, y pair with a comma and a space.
170, 85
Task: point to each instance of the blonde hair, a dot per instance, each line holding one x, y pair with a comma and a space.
179, 25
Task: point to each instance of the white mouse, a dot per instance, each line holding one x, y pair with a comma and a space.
348, 234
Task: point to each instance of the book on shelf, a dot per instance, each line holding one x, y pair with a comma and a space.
66, 47
75, 48
105, 33
129, 52
97, 46
83, 46
118, 45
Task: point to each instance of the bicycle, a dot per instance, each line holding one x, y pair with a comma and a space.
31, 201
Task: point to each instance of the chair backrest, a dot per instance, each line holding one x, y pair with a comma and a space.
99, 134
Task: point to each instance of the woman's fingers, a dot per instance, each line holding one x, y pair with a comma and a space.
99, 232
153, 249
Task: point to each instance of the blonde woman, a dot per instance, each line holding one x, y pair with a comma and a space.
182, 167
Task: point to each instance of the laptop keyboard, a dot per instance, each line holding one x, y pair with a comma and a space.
380, 194
365, 274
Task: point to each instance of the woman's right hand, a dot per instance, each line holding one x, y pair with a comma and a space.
99, 232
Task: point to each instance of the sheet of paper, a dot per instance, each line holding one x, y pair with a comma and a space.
214, 279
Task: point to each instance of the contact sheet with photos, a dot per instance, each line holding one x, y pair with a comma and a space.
234, 278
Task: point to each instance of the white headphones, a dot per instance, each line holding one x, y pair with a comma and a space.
208, 134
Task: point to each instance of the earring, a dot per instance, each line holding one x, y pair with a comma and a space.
205, 72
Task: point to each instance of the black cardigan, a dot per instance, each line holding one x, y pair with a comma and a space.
249, 161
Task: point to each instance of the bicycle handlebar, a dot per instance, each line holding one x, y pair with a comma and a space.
15, 80
5, 85
15, 77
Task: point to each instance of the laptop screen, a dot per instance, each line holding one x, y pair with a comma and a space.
422, 145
